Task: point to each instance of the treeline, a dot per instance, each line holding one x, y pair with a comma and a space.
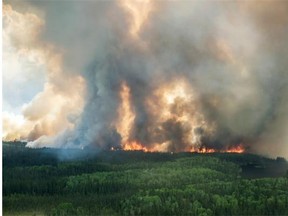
138, 183
15, 154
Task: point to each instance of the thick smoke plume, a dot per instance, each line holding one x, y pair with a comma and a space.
167, 75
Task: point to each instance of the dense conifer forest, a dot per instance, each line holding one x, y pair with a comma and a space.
88, 182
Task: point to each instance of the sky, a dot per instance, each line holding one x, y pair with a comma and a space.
150, 75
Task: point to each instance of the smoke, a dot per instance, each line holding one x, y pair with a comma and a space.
42, 103
161, 76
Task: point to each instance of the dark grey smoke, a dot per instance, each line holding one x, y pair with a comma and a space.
234, 53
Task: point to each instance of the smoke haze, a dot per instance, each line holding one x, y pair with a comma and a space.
150, 75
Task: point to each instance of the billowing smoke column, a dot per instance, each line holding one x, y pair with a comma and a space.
175, 75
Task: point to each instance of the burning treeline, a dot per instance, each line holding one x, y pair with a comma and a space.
178, 75
175, 125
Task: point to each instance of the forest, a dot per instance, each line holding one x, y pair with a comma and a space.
90, 182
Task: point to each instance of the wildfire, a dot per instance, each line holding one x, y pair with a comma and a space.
172, 103
175, 103
202, 150
134, 146
126, 115
238, 149
172, 99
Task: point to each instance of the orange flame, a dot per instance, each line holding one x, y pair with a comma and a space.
130, 146
202, 150
126, 115
238, 149
126, 118
178, 103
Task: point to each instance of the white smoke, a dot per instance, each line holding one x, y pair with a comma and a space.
231, 53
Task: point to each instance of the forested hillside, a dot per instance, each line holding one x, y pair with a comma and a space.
75, 182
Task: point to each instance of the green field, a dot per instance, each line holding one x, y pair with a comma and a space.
75, 182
